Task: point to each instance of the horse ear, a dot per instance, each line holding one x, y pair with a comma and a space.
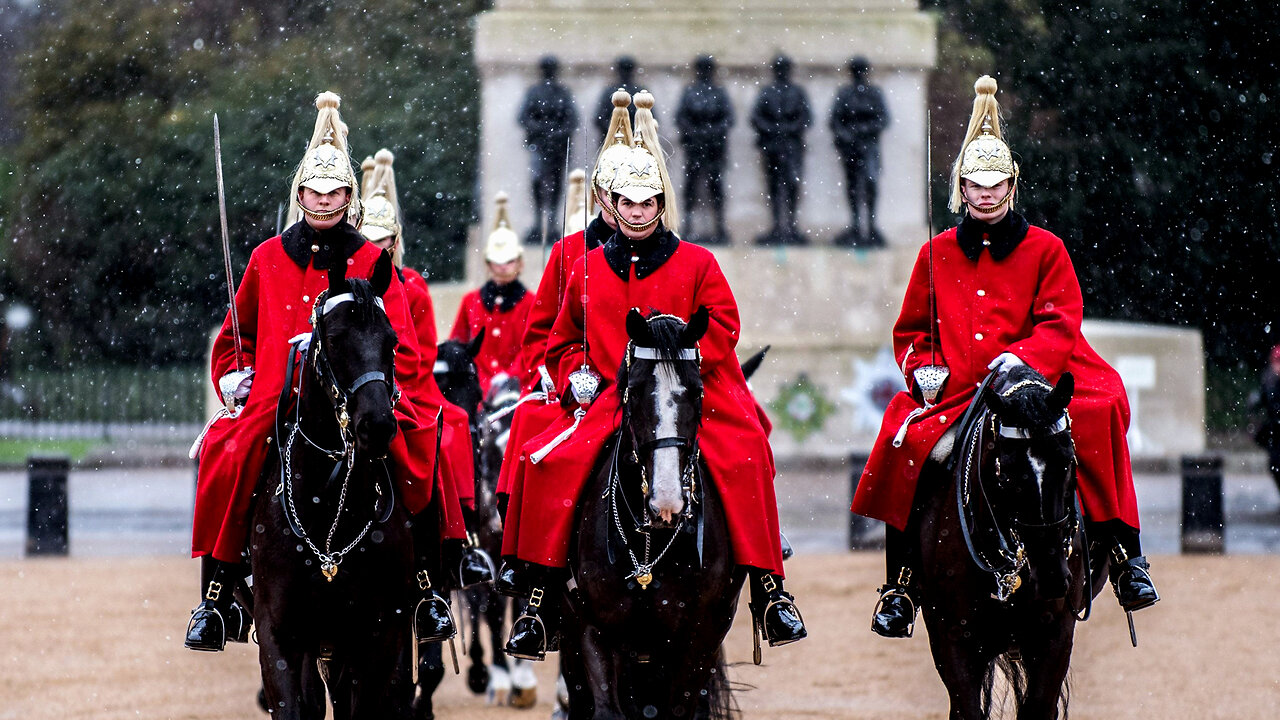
337, 279
696, 328
381, 279
993, 400
473, 347
638, 328
753, 363
1061, 395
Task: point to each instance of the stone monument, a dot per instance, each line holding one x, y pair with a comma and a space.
858, 116
780, 118
703, 120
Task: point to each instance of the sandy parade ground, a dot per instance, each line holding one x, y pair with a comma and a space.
101, 638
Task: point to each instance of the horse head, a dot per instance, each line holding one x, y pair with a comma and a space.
661, 387
1032, 459
456, 375
353, 349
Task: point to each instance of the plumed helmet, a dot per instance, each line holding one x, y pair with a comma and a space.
503, 245
575, 204
381, 205
326, 166
617, 142
644, 174
985, 158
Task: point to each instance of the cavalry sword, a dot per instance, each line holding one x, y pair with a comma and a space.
226, 245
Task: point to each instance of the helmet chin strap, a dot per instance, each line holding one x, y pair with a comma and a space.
1007, 197
632, 226
323, 215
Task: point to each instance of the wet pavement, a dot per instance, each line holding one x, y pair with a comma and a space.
147, 511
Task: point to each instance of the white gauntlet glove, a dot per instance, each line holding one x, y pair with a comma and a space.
234, 387
1005, 362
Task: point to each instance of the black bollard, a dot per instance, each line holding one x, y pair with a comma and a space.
1202, 516
862, 531
47, 504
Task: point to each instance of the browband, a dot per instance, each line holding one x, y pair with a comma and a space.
337, 300
1017, 433
648, 353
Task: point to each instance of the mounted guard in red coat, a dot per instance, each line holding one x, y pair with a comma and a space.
500, 307
990, 294
644, 265
273, 305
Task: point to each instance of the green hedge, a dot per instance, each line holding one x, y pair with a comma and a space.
106, 394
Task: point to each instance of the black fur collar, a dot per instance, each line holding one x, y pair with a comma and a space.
649, 254
597, 232
340, 241
1000, 238
503, 297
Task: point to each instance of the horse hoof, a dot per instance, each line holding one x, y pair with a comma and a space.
524, 698
478, 679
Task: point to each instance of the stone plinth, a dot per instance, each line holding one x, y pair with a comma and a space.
828, 314
664, 36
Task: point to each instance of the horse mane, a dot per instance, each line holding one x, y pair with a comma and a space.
667, 331
1026, 404
362, 291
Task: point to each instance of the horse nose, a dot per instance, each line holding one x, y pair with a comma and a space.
374, 434
1051, 577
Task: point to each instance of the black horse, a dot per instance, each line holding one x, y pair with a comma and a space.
455, 375
331, 550
1003, 561
657, 584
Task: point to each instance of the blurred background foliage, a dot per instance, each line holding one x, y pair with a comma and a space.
1146, 130
111, 211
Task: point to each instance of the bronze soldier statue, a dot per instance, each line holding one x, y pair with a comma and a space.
549, 119
780, 118
858, 116
703, 119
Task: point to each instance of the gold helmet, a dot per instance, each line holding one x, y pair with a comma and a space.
575, 204
381, 205
985, 158
617, 144
503, 244
326, 166
644, 173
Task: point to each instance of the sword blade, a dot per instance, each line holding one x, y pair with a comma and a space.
226, 245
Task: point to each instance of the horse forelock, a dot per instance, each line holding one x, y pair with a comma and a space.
667, 333
365, 298
1027, 403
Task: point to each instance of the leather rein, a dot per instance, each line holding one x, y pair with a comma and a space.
1011, 557
642, 572
311, 345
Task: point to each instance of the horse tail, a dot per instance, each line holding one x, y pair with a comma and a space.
997, 696
720, 702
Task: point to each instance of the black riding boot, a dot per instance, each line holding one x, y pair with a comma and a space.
774, 611
895, 614
432, 619
218, 618
513, 578
1130, 571
475, 567
537, 631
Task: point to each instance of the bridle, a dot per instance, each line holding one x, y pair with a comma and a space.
312, 345
1010, 552
644, 524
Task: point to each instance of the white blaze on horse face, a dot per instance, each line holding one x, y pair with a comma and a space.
1037, 468
666, 499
